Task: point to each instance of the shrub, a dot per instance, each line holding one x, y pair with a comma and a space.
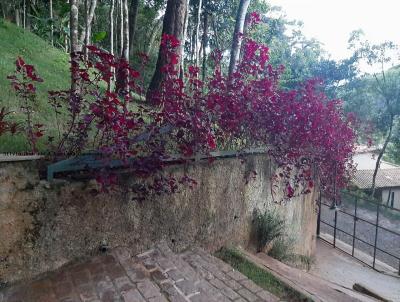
282, 249
269, 226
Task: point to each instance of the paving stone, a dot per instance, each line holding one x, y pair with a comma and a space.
104, 284
60, 277
123, 284
70, 300
233, 284
158, 277
251, 286
267, 296
218, 283
165, 264
187, 287
240, 300
168, 287
194, 276
115, 271
202, 298
230, 293
86, 292
248, 295
175, 275
108, 259
146, 254
80, 277
158, 299
148, 289
136, 275
206, 287
222, 298
63, 290
132, 295
107, 294
129, 264
236, 275
176, 298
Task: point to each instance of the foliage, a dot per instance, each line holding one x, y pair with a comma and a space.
259, 276
23, 82
51, 64
382, 87
282, 249
268, 227
5, 124
306, 134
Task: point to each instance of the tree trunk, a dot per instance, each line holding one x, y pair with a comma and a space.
153, 36
173, 24
24, 14
237, 39
378, 161
125, 45
74, 44
122, 86
87, 30
17, 17
52, 25
121, 26
133, 13
197, 34
182, 48
28, 14
112, 26
205, 41
3, 9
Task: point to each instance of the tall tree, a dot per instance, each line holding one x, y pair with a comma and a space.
122, 73
197, 33
125, 21
121, 25
74, 43
52, 22
237, 39
133, 14
205, 40
111, 17
173, 24
385, 87
89, 15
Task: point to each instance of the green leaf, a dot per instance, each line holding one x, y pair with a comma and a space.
100, 36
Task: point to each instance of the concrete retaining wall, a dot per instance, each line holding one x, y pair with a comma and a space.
44, 226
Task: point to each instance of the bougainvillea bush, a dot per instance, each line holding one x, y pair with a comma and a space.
307, 135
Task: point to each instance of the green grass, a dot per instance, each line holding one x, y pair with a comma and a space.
259, 276
51, 64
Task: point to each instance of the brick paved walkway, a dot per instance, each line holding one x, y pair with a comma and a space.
158, 275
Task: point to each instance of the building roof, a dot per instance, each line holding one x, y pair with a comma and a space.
384, 179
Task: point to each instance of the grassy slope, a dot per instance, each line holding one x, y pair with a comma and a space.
51, 64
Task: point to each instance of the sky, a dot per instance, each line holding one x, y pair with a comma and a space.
332, 21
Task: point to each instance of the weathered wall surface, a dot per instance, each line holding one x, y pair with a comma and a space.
43, 226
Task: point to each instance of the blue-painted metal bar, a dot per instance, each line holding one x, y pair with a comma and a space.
95, 161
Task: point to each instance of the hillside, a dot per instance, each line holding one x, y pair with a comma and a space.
51, 64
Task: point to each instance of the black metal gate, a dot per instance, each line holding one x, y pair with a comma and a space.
364, 229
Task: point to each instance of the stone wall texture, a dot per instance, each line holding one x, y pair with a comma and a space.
45, 225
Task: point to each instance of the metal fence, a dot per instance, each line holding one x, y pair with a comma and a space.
364, 229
